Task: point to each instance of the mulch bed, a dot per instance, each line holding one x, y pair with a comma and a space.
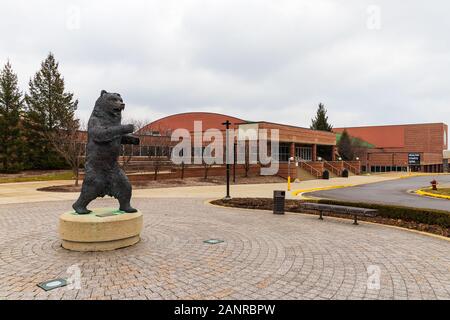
293, 206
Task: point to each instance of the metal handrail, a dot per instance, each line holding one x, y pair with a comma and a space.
313, 170
351, 167
333, 169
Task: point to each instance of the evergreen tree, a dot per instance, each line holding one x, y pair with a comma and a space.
345, 146
49, 109
320, 122
11, 108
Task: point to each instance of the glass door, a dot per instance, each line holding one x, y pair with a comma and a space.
303, 153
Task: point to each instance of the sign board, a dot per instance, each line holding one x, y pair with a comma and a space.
413, 159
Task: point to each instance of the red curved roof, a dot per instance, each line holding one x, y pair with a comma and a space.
186, 120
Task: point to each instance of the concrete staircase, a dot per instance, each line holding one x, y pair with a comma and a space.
334, 168
309, 170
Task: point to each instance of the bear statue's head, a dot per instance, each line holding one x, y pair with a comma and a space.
109, 106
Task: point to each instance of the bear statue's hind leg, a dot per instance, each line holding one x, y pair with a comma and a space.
80, 206
122, 191
89, 191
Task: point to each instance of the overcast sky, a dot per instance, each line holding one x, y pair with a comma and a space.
370, 62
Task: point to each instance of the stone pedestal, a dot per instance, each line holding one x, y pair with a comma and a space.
102, 230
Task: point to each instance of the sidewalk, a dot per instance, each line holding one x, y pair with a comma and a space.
24, 192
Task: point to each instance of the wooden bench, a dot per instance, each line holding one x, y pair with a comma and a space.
354, 211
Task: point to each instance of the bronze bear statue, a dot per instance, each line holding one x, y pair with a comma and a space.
106, 134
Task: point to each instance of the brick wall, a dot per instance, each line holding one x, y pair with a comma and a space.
191, 172
301, 135
393, 143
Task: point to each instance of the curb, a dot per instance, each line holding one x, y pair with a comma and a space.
301, 191
433, 195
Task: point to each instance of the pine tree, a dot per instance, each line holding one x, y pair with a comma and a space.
11, 108
49, 109
345, 146
320, 122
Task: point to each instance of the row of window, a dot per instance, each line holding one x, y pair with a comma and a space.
303, 153
384, 168
145, 150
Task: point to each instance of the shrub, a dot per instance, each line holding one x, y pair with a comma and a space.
427, 216
418, 215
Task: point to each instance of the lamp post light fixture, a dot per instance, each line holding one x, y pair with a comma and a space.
340, 158
319, 158
357, 158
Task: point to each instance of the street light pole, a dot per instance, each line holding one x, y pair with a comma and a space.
227, 126
234, 162
289, 173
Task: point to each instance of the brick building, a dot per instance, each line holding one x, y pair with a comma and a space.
314, 151
397, 147
390, 148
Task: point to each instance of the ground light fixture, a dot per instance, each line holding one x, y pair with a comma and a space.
53, 284
213, 241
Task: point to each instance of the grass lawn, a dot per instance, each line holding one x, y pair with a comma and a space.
57, 175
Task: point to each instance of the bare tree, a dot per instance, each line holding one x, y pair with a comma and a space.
127, 150
206, 167
247, 159
182, 169
160, 149
70, 144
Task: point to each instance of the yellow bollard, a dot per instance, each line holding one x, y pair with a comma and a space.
289, 184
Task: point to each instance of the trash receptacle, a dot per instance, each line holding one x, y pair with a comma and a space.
278, 201
326, 175
345, 173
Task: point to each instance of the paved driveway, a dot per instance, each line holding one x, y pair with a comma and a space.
391, 192
263, 256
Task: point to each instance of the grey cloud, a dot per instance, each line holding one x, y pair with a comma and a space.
259, 60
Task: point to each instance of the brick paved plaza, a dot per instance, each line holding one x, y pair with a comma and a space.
263, 256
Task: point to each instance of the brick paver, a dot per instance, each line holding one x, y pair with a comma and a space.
263, 256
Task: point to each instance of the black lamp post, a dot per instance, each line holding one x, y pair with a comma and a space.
234, 162
227, 126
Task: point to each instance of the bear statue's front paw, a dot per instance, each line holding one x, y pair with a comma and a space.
135, 141
128, 128
128, 209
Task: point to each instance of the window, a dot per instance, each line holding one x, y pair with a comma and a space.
283, 153
303, 153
